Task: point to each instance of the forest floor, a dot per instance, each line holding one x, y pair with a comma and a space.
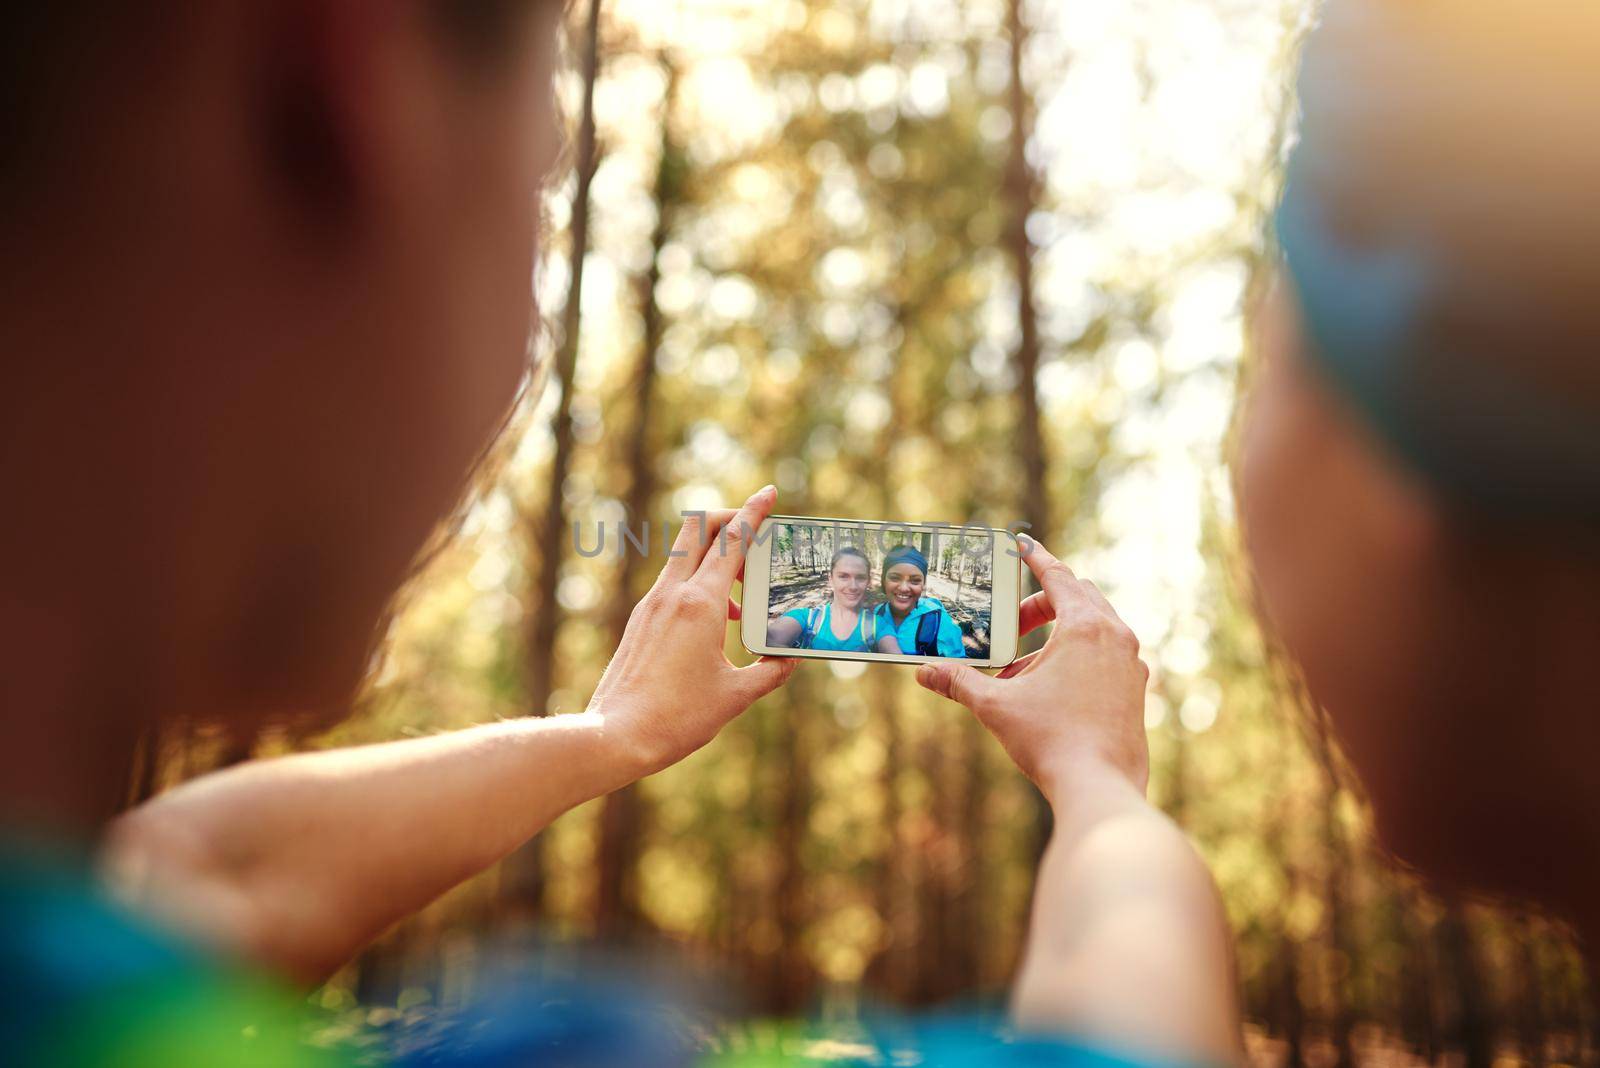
793, 587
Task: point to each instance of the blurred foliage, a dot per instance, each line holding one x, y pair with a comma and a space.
815, 213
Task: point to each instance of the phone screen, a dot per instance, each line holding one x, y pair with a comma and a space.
869, 588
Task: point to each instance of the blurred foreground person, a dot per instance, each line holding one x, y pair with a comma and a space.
1420, 468
267, 300
1419, 482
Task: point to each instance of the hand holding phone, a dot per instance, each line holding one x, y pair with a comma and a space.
670, 687
1073, 706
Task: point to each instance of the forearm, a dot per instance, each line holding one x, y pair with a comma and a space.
1128, 942
301, 861
784, 633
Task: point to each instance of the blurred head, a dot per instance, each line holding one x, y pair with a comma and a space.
849, 576
269, 295
1420, 462
905, 570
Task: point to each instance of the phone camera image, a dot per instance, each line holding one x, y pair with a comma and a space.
867, 589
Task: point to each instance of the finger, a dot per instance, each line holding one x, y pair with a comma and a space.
693, 539
1056, 580
733, 610
963, 684
1093, 593
1035, 612
1098, 599
764, 676
1018, 666
726, 557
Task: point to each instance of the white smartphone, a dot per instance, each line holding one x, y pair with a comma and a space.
906, 593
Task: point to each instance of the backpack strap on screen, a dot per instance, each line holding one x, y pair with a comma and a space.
928, 633
808, 635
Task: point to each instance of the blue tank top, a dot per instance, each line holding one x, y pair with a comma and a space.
824, 638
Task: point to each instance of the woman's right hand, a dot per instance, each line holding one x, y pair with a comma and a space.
1128, 943
1074, 706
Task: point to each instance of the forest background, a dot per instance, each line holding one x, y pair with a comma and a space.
1004, 249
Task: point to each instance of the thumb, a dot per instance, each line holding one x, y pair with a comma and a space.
959, 682
764, 676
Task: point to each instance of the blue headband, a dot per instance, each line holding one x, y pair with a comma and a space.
904, 554
1438, 229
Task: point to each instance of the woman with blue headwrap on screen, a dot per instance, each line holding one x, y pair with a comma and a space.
920, 624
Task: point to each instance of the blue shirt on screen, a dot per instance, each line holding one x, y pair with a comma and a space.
824, 638
949, 633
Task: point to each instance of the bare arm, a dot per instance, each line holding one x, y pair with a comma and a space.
299, 862
1128, 942
783, 633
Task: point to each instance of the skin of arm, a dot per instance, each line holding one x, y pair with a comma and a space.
885, 641
784, 632
297, 863
1128, 943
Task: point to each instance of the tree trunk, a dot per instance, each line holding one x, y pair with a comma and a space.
930, 888
1471, 1030
1418, 1021
790, 974
1021, 190
1531, 1021
1022, 187
891, 969
622, 814
971, 928
1290, 1010
1336, 897
522, 873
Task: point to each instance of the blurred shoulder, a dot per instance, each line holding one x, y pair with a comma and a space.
105, 986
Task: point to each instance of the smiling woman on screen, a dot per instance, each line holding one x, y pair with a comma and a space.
919, 623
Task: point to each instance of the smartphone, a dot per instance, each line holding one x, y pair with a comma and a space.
905, 593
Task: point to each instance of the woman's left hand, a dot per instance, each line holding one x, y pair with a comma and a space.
670, 688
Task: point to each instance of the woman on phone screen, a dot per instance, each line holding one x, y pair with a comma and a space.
843, 625
920, 623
